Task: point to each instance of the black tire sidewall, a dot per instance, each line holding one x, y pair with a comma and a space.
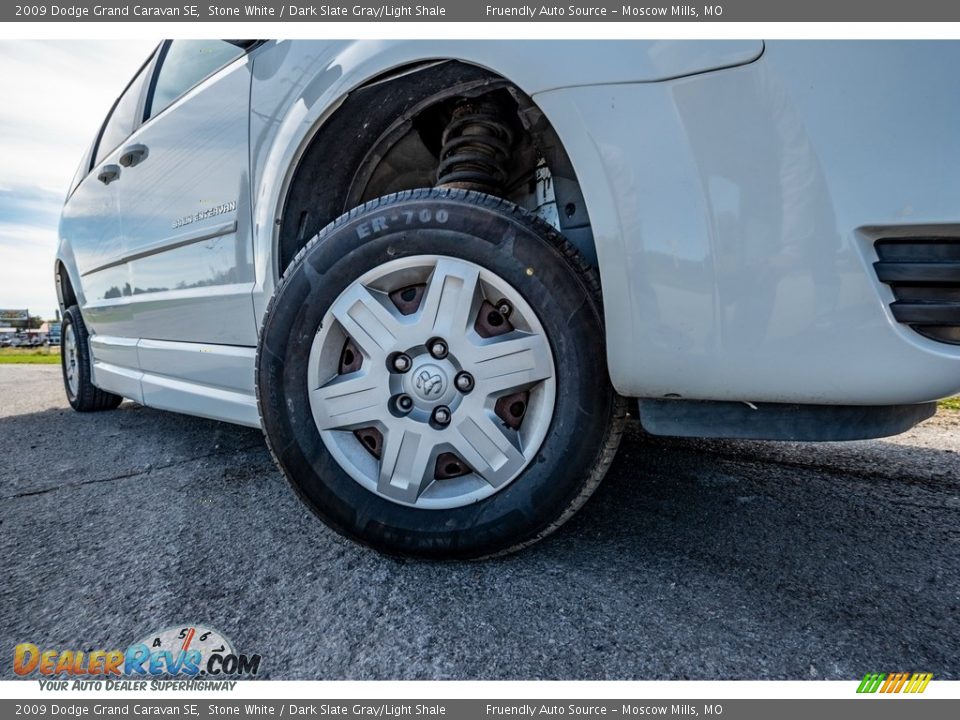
89, 397
71, 318
496, 236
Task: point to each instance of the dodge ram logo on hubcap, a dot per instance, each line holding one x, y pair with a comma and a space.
429, 382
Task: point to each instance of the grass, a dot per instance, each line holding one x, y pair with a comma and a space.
950, 404
29, 356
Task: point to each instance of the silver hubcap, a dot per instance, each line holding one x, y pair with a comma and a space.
70, 360
432, 382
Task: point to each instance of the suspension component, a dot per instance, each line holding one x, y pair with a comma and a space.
476, 146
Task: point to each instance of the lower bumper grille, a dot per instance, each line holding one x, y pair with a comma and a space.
924, 274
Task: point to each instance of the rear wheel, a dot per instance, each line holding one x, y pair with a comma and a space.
431, 376
82, 394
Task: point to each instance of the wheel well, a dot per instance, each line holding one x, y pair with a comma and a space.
65, 291
387, 135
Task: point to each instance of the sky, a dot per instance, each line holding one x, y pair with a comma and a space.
55, 97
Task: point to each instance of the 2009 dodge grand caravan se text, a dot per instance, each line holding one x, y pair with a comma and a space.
433, 272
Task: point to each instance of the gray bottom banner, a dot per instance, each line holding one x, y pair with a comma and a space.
479, 11
873, 707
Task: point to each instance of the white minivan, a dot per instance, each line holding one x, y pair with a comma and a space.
437, 274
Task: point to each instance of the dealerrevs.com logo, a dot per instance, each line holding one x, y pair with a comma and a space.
200, 655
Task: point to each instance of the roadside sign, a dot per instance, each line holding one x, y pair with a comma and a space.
7, 315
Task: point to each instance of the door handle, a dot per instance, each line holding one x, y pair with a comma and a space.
108, 173
134, 155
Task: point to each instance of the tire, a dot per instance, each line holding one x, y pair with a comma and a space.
82, 394
556, 304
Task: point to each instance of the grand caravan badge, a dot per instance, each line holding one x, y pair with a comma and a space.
206, 213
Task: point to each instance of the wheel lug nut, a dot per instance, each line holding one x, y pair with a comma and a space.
402, 362
464, 382
404, 403
441, 415
438, 348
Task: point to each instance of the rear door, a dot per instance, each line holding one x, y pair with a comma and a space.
184, 199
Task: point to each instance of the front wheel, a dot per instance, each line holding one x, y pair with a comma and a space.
432, 379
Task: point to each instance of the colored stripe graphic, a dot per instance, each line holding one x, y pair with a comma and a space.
894, 682
871, 682
900, 681
918, 683
889, 682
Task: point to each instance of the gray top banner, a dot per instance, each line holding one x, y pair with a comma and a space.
480, 11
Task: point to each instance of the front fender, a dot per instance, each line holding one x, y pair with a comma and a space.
297, 86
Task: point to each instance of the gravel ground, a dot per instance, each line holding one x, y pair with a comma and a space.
699, 560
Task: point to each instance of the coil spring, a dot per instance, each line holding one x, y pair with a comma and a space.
475, 152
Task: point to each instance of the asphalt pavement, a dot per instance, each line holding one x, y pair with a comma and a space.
694, 560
